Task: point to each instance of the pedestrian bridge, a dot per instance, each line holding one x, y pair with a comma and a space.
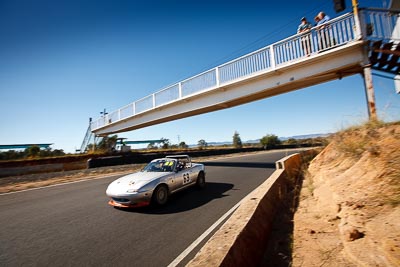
342, 48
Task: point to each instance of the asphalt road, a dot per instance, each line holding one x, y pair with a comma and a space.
72, 225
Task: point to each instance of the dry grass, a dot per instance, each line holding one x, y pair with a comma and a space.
380, 142
355, 140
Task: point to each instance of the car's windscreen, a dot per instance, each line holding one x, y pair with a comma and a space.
160, 166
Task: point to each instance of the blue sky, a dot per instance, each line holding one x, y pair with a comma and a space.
62, 62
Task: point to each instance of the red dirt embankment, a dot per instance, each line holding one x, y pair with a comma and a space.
349, 210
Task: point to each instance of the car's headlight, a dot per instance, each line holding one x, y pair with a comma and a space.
132, 190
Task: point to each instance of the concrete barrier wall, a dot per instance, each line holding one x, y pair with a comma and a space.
242, 240
55, 167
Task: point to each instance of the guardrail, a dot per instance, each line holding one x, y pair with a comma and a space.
337, 32
243, 238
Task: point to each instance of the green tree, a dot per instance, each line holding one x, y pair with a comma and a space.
269, 140
107, 143
45, 152
202, 144
58, 152
32, 151
151, 146
165, 144
90, 147
183, 145
237, 142
292, 141
12, 154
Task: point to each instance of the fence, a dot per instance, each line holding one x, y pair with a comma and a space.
381, 24
335, 33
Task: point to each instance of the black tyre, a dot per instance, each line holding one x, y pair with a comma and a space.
160, 195
201, 180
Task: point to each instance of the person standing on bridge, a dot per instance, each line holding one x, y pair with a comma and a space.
323, 31
304, 29
316, 19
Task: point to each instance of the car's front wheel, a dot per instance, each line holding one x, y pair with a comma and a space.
160, 195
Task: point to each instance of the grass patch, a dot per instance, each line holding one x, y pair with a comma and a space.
356, 140
381, 143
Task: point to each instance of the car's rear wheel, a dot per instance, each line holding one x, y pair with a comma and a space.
160, 195
201, 180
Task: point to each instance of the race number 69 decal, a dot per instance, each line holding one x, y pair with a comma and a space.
186, 178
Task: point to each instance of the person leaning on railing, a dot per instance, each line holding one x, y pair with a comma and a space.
323, 31
316, 19
304, 28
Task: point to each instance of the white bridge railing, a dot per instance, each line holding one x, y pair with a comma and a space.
337, 32
382, 24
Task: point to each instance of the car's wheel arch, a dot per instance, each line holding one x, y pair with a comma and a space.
163, 184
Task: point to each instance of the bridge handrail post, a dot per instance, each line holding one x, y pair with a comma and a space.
272, 56
180, 89
217, 76
134, 108
106, 119
154, 100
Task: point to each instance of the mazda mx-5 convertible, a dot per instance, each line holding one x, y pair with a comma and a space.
156, 182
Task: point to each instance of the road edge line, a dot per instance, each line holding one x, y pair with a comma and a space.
203, 236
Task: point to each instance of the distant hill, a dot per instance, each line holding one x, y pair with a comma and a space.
305, 136
256, 141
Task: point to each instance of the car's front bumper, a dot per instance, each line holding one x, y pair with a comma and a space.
129, 200
127, 205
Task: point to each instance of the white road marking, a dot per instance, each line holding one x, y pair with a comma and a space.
203, 236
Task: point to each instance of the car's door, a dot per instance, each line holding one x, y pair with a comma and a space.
192, 174
183, 177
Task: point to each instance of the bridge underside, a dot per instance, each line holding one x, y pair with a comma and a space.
325, 66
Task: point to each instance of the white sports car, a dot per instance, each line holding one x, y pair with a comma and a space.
155, 182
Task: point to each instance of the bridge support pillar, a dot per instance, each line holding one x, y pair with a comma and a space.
369, 91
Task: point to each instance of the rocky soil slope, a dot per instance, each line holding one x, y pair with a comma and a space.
349, 209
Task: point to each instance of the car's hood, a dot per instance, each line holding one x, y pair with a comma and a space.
142, 176
136, 180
